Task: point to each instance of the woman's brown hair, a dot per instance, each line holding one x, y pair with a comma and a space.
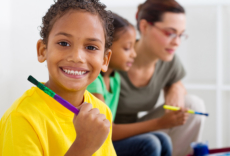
152, 10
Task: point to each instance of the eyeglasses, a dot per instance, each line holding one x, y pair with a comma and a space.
170, 35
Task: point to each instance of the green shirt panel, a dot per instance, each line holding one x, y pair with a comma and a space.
111, 98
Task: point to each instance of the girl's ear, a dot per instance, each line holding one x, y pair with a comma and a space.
41, 51
106, 60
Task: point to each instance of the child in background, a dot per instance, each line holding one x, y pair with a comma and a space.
107, 85
107, 88
76, 37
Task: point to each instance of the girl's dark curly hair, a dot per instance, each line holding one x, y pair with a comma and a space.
60, 7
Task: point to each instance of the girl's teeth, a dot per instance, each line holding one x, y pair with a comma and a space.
71, 72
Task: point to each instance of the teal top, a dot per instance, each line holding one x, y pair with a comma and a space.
111, 97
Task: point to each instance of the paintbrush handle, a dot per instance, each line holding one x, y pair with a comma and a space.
52, 94
66, 104
173, 108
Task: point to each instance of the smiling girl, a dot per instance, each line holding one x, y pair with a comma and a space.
76, 37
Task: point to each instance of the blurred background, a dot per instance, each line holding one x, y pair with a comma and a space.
205, 55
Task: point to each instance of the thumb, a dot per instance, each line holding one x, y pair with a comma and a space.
79, 107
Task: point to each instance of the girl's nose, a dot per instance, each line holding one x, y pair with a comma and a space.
76, 56
133, 53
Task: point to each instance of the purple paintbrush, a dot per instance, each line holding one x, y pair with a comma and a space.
59, 99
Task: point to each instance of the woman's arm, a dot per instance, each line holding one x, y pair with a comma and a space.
122, 131
174, 94
169, 120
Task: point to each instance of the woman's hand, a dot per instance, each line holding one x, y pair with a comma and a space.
173, 118
92, 129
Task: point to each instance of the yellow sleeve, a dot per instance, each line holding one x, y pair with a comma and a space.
18, 138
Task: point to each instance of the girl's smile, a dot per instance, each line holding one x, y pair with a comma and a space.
74, 72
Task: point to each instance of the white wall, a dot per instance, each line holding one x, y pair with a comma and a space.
205, 54
20, 21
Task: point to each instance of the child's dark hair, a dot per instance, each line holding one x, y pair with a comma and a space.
60, 7
152, 10
120, 25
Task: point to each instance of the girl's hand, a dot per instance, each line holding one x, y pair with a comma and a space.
173, 118
92, 128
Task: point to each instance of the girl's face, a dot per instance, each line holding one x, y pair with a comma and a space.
75, 51
123, 52
163, 38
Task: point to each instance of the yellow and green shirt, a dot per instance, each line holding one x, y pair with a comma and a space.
111, 97
37, 125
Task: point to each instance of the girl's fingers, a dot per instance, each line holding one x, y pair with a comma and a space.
107, 123
95, 111
101, 117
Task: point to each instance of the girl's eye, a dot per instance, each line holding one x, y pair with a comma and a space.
91, 48
126, 49
64, 44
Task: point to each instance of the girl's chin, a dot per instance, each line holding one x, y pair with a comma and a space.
73, 87
126, 68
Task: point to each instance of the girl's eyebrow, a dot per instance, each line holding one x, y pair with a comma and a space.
88, 39
94, 40
63, 33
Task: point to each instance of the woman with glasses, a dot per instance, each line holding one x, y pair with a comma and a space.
161, 24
